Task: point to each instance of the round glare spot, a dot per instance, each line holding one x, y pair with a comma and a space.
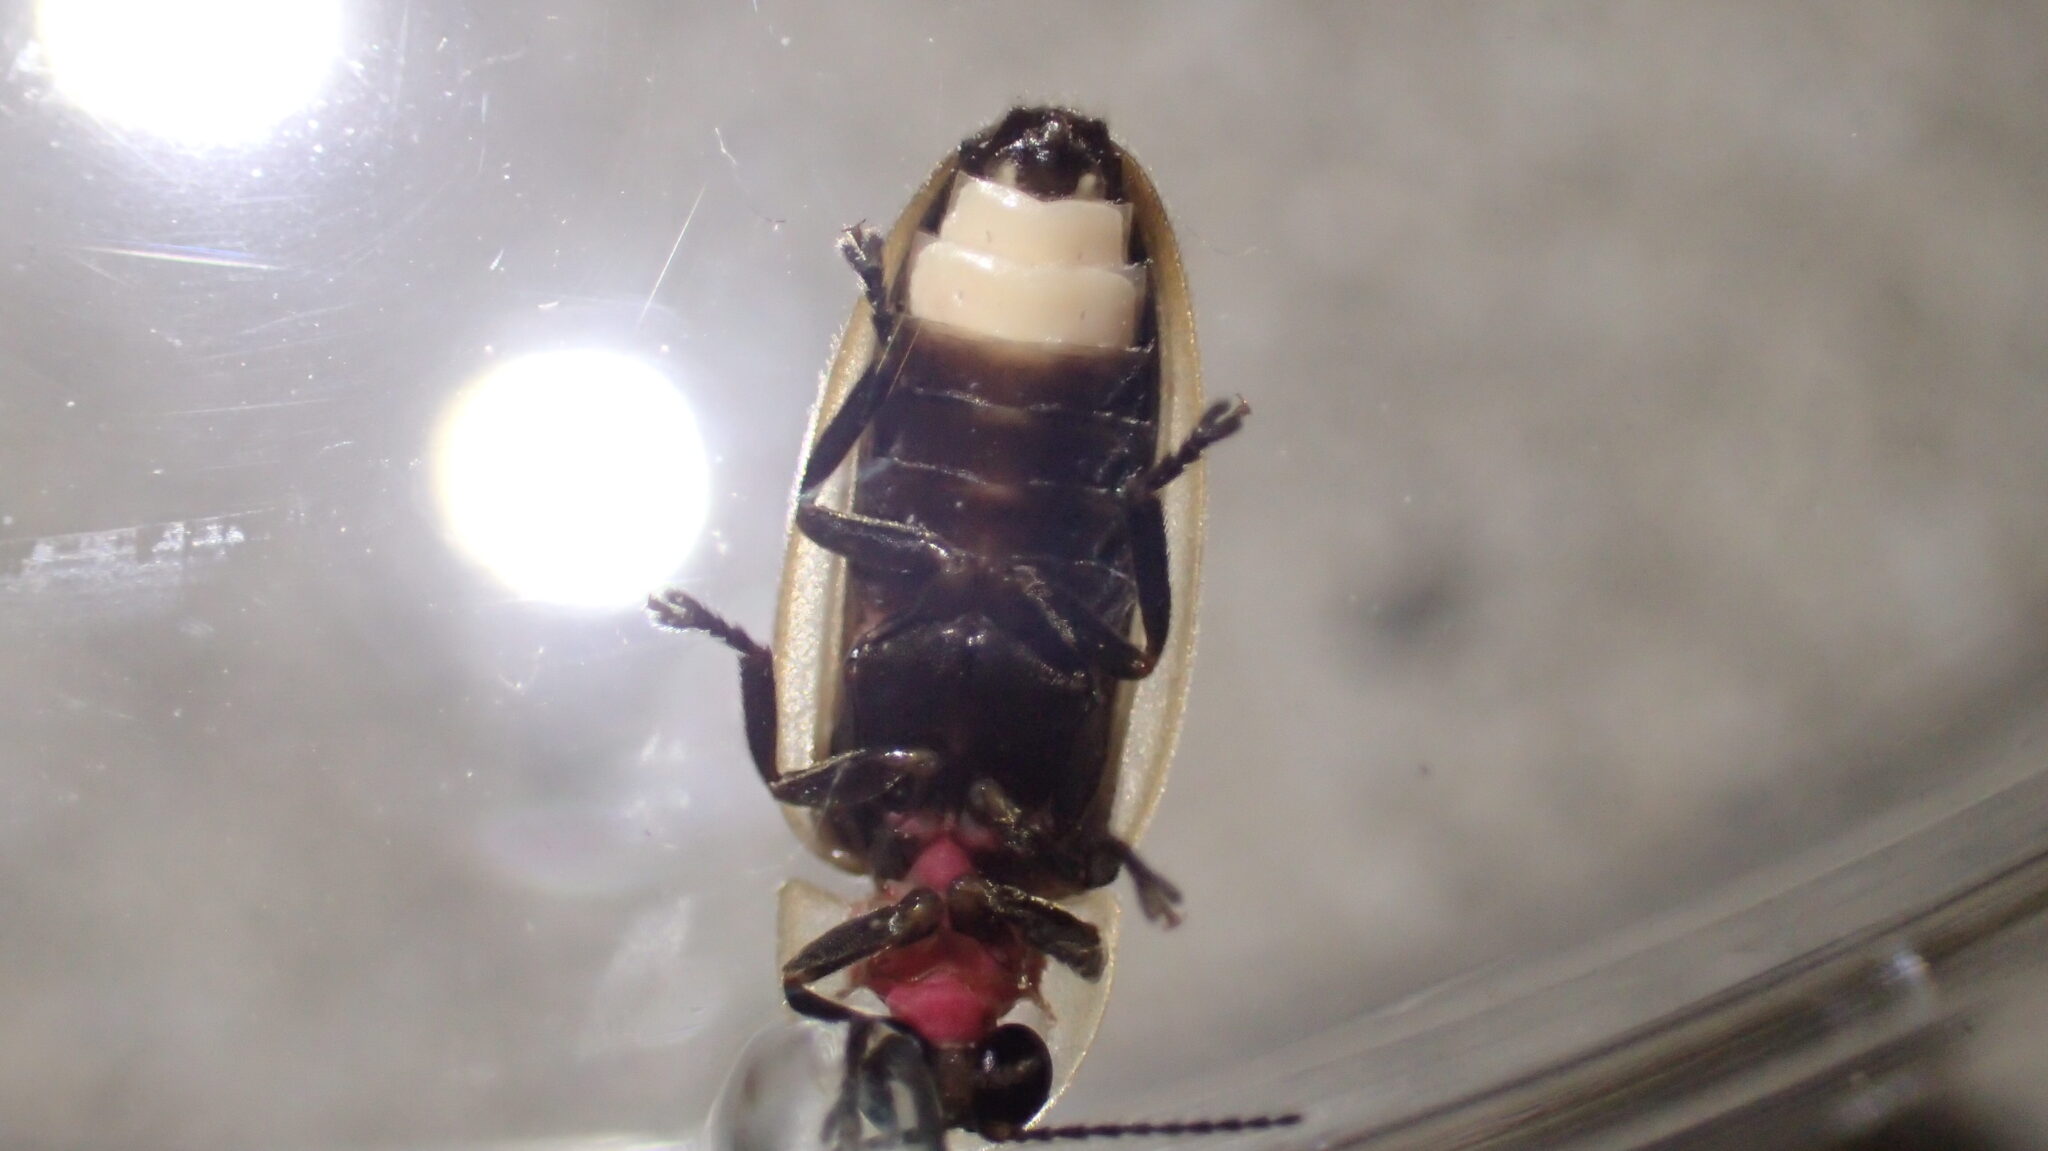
199, 72
574, 477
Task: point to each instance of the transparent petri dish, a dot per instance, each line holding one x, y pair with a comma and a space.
1614, 719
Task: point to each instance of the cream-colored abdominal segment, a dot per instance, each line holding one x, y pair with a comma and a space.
1003, 221
1044, 303
1010, 265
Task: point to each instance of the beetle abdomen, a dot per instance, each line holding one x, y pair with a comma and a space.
996, 521
936, 356
1018, 408
957, 687
1011, 266
1006, 444
1017, 413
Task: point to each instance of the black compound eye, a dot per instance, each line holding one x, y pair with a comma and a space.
1012, 1078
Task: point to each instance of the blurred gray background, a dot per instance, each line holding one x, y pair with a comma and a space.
1647, 460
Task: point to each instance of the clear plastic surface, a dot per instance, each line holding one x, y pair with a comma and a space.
1617, 716
1815, 1003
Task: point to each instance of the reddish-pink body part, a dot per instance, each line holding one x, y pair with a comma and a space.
941, 862
948, 987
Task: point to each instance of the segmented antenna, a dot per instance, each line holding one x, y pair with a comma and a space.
1119, 1130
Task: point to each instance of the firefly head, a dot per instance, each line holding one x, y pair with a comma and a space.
995, 1086
1051, 153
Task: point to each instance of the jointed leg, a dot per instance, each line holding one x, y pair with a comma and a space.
857, 776
1098, 866
1017, 834
908, 920
904, 922
1148, 520
877, 544
683, 612
852, 777
978, 907
1041, 611
861, 246
1045, 614
1058, 622
881, 1055
891, 1057
1055, 621
1157, 896
1222, 420
1151, 575
841, 1128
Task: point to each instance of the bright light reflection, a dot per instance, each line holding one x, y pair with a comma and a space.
200, 72
574, 477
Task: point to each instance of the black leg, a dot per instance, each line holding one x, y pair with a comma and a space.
858, 776
862, 247
683, 612
841, 1129
981, 908
1096, 865
812, 1005
1157, 896
1057, 624
836, 439
906, 921
880, 1075
1220, 422
1043, 612
852, 777
892, 1070
1046, 611
912, 918
1154, 581
876, 544
1017, 834
1148, 519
